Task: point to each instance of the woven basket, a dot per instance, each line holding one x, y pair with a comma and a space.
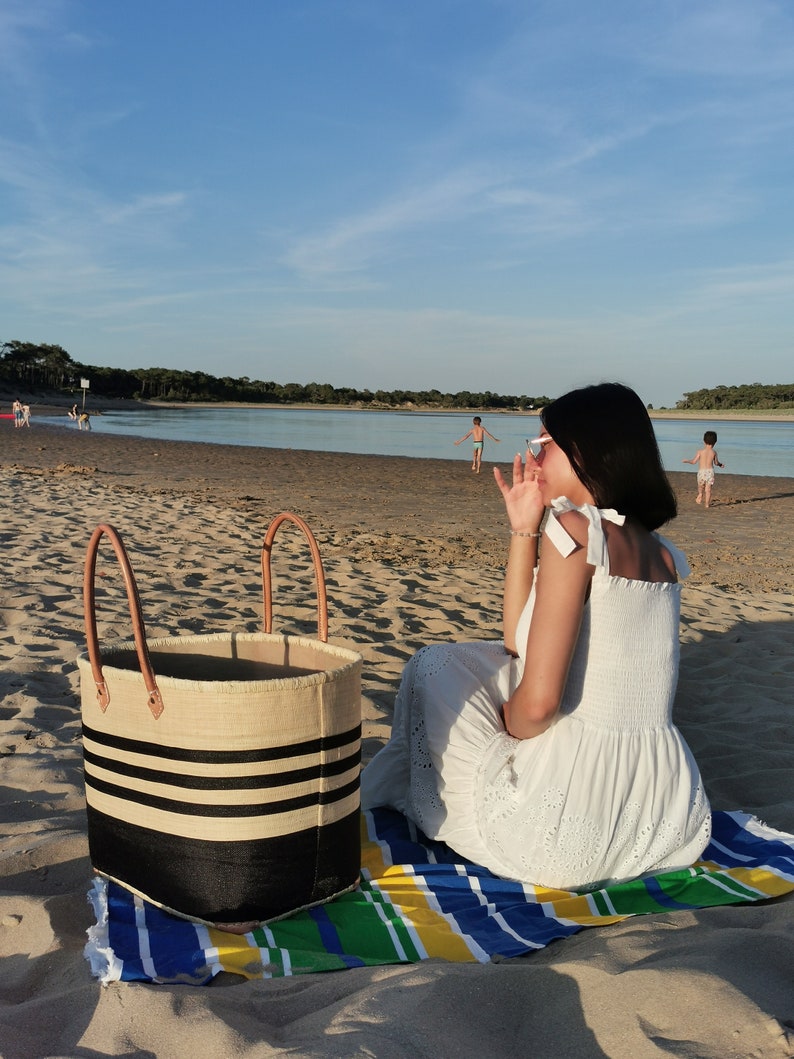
222, 770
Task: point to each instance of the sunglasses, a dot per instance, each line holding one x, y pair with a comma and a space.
540, 441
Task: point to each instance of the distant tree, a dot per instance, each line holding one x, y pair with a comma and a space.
746, 396
35, 365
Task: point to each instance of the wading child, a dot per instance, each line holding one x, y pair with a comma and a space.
706, 458
477, 433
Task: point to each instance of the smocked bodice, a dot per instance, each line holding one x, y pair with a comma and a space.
625, 665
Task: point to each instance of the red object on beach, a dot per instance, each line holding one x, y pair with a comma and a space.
6, 415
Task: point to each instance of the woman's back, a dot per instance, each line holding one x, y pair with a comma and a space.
624, 670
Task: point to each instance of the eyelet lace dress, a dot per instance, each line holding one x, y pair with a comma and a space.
609, 792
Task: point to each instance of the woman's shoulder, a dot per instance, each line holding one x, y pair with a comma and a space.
636, 554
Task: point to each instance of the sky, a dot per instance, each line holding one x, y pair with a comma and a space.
520, 196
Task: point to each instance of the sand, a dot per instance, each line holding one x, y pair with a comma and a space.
413, 551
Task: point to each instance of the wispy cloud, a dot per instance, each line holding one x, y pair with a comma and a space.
356, 241
772, 280
143, 207
732, 39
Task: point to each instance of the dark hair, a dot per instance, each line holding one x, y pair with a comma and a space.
710, 437
606, 433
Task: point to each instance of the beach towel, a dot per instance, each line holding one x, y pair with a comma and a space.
417, 900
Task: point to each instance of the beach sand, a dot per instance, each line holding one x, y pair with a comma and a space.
413, 552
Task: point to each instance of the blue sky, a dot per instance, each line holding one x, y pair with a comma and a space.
511, 196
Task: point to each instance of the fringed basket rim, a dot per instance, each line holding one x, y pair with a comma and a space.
349, 659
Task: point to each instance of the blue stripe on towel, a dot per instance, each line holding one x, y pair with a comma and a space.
167, 935
664, 899
123, 935
330, 937
735, 845
170, 943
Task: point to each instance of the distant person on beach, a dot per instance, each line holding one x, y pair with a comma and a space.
16, 408
25, 415
72, 413
550, 757
706, 459
478, 433
84, 421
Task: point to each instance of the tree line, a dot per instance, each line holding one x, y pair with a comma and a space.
25, 364
34, 367
755, 395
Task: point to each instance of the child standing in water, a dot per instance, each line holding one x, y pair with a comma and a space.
706, 459
477, 433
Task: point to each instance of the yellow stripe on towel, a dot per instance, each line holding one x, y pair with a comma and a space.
765, 882
573, 908
236, 954
433, 931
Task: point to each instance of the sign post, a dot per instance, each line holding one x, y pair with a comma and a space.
84, 385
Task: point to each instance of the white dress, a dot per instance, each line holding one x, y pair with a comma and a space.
610, 791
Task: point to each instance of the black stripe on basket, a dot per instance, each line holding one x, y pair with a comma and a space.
223, 757
172, 805
228, 881
224, 783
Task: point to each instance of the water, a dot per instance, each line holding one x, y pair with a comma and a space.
754, 448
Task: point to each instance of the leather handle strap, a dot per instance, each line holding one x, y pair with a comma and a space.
155, 701
319, 574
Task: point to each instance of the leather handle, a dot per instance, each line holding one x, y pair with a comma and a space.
319, 574
155, 701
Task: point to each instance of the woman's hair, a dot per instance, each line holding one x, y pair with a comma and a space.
606, 433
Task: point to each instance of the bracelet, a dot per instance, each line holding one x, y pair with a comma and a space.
524, 533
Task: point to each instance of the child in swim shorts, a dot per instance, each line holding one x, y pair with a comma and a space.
706, 459
477, 433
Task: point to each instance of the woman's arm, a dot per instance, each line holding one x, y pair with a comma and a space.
560, 594
519, 576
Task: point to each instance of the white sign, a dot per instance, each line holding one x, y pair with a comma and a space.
84, 384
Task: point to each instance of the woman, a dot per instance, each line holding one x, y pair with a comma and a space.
552, 758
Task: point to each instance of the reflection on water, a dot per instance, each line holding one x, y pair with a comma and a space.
744, 447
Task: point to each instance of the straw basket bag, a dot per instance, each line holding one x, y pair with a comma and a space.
222, 770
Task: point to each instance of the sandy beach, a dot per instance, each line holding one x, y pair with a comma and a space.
413, 552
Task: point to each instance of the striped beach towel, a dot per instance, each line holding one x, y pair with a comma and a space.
417, 900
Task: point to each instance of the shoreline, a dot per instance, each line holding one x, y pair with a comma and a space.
49, 404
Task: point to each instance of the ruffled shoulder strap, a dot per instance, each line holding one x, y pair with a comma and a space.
597, 554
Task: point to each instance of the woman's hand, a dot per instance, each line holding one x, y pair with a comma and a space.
523, 500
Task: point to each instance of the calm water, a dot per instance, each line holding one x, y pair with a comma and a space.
744, 447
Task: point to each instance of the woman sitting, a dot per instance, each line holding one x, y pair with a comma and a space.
552, 758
